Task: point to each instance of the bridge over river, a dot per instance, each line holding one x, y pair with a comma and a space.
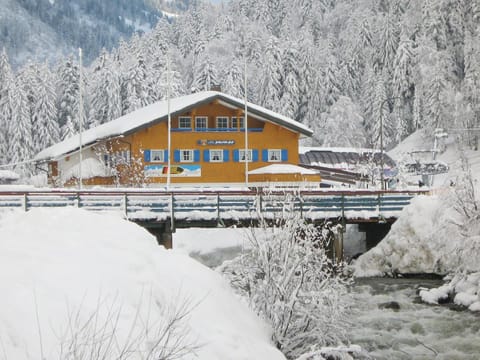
161, 212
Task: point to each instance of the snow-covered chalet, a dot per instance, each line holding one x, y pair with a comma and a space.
207, 146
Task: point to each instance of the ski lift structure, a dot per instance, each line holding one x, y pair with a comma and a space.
424, 162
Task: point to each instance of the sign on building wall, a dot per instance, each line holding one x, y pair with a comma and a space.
215, 142
176, 171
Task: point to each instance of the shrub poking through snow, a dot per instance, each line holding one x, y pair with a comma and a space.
290, 281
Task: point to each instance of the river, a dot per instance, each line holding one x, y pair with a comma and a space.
414, 330
409, 330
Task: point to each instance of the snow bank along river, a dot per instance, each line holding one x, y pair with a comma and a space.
390, 321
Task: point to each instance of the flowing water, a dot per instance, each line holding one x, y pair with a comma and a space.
411, 330
391, 322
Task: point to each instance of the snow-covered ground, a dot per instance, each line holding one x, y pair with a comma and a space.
76, 280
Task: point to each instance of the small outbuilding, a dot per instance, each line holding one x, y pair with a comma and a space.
8, 177
348, 166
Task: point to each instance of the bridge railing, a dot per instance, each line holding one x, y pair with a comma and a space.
233, 205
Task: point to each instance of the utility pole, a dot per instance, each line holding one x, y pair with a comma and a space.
245, 121
80, 119
169, 125
382, 159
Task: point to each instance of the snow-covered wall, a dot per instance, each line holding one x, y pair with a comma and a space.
92, 166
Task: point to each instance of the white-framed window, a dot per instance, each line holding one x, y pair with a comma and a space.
222, 122
186, 155
201, 122
216, 155
184, 122
274, 155
241, 155
107, 160
157, 155
236, 120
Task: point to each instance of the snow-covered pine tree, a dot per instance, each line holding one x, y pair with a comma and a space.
177, 86
331, 78
271, 76
434, 23
344, 125
471, 86
233, 78
69, 96
388, 40
306, 73
27, 78
434, 105
205, 74
7, 85
316, 105
135, 87
475, 10
381, 124
21, 148
418, 107
403, 69
106, 101
290, 99
46, 130
403, 87
368, 86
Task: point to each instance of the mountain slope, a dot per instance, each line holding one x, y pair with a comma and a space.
46, 29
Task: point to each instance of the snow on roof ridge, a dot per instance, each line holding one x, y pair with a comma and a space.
305, 149
283, 169
149, 114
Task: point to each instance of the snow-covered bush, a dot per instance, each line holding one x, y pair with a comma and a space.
97, 334
291, 282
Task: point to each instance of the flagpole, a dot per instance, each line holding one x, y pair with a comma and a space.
169, 125
245, 123
80, 120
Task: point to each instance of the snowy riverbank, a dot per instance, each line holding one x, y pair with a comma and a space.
73, 280
429, 237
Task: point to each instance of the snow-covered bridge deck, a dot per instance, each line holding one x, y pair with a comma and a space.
210, 208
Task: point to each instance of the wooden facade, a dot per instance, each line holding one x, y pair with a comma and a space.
207, 147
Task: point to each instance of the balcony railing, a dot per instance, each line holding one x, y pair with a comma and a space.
216, 130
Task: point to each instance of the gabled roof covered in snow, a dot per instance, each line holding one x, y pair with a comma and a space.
343, 158
8, 175
158, 112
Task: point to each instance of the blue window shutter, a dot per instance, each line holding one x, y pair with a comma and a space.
254, 155
265, 155
225, 156
206, 155
284, 155
196, 155
165, 156
176, 155
146, 155
236, 155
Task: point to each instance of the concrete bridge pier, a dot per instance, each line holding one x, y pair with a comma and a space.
163, 233
374, 232
334, 249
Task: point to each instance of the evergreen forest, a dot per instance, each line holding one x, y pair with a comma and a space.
341, 67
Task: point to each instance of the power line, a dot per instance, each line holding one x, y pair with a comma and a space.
18, 163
